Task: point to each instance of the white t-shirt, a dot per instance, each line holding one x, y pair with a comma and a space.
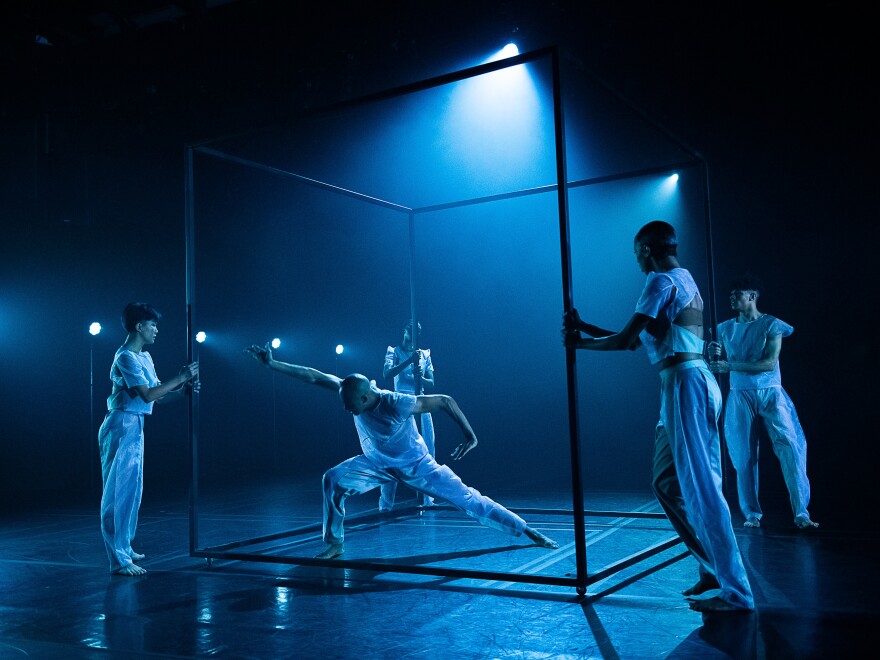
405, 381
388, 432
663, 298
130, 369
745, 342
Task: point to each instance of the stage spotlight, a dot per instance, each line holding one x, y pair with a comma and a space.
276, 342
339, 349
510, 50
665, 192
201, 336
94, 328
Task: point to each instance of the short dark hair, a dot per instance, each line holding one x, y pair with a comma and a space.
746, 282
135, 313
660, 237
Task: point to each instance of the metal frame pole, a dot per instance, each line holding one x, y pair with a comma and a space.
577, 488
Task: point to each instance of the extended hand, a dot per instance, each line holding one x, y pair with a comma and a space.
714, 348
571, 320
262, 354
189, 371
459, 452
719, 367
570, 338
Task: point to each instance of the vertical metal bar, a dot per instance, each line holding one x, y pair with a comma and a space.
417, 381
710, 256
713, 307
92, 439
189, 213
577, 488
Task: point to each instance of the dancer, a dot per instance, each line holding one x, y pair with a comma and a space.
751, 344
407, 365
393, 450
687, 461
121, 437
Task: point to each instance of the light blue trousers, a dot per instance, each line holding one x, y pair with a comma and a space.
388, 490
360, 474
121, 442
687, 476
775, 409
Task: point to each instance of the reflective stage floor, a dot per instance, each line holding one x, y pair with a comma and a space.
815, 591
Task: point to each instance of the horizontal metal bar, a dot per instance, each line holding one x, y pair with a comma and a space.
458, 573
303, 179
525, 192
634, 558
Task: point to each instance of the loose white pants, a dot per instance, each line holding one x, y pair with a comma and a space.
387, 491
121, 442
687, 476
360, 474
775, 409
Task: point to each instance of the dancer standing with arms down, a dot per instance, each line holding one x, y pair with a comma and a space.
121, 437
407, 365
687, 455
751, 344
393, 450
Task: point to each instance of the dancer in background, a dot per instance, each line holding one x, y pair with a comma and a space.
393, 450
406, 365
748, 349
121, 437
687, 448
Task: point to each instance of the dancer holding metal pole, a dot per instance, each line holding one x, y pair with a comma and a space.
687, 456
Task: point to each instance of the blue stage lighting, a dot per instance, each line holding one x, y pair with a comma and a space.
510, 50
94, 328
276, 342
339, 349
674, 178
201, 336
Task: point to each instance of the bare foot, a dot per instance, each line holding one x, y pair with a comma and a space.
752, 522
715, 604
331, 551
136, 556
705, 583
804, 522
540, 539
131, 569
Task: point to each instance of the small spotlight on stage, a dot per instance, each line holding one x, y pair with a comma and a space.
276, 342
201, 336
339, 349
94, 328
674, 178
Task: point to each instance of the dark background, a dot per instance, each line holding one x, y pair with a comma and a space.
93, 127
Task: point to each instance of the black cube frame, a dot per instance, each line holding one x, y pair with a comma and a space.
582, 579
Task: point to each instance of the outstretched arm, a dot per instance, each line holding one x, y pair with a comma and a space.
428, 403
625, 340
768, 360
158, 393
263, 355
